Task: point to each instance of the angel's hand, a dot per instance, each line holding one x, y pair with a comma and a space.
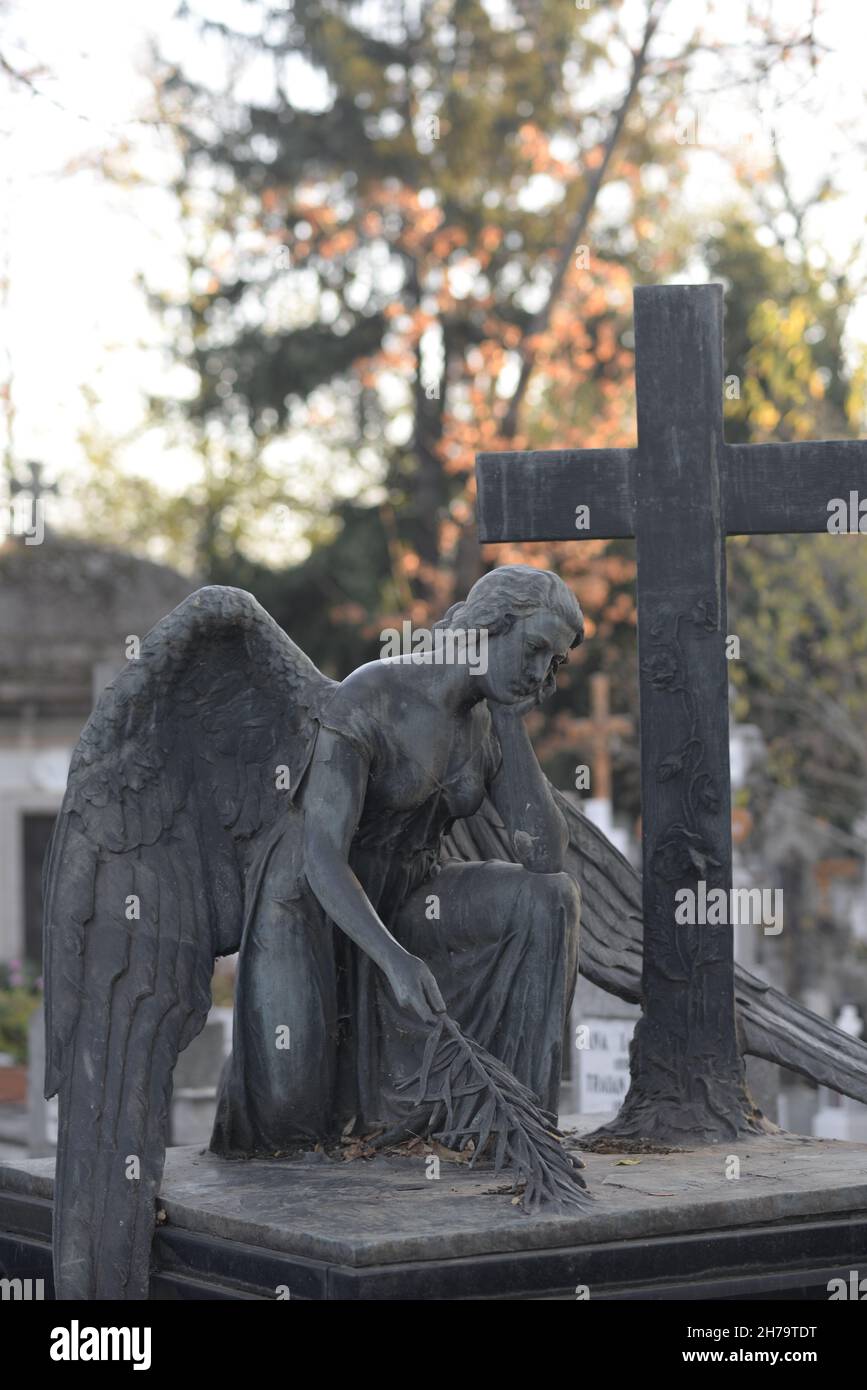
515, 710
414, 987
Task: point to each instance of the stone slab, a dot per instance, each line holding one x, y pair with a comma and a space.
385, 1211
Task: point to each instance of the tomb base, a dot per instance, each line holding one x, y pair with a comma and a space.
669, 1226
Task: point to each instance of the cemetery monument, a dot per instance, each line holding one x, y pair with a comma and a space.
404, 886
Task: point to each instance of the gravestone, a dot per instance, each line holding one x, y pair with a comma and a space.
603, 1064
592, 1005
606, 1017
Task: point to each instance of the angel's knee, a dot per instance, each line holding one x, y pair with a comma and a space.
557, 903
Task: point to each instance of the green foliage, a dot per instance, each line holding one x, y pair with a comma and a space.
798, 603
329, 604
20, 995
784, 339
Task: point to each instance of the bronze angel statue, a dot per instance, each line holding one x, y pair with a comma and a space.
400, 880
241, 801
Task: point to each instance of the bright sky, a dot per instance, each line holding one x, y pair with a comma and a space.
72, 244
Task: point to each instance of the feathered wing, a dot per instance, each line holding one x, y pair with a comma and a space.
173, 782
771, 1025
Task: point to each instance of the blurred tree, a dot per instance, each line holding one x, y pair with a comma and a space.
371, 277
418, 177
399, 254
797, 603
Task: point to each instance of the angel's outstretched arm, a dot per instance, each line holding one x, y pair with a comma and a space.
333, 803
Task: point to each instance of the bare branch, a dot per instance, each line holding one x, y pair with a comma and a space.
23, 78
576, 230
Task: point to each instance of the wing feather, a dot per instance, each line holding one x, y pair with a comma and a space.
170, 787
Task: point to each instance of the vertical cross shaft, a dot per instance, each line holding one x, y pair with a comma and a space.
35, 486
688, 1078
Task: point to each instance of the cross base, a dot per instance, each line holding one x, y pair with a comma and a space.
678, 1103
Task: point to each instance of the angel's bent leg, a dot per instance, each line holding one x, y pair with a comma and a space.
278, 1088
503, 945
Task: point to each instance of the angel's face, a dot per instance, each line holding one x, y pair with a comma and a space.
523, 661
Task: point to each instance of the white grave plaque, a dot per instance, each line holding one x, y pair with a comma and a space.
602, 1049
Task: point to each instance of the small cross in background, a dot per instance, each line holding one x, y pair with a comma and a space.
596, 733
29, 521
35, 487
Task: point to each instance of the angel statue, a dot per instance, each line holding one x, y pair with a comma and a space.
401, 883
226, 796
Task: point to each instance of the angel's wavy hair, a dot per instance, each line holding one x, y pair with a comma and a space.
499, 598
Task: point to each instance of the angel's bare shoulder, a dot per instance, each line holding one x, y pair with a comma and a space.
377, 686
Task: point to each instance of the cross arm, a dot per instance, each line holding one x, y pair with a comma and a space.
787, 487
533, 495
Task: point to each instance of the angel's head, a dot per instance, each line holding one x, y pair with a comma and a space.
531, 619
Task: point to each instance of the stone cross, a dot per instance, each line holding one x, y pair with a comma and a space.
680, 492
35, 487
597, 730
32, 526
